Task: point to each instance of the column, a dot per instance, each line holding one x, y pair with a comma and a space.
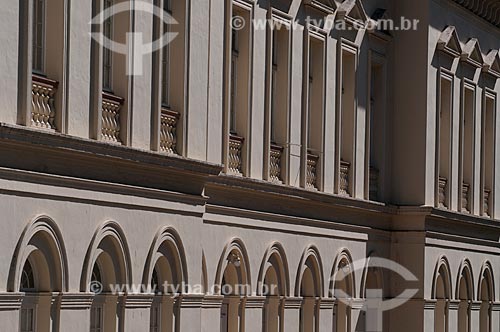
326, 306
190, 313
74, 314
10, 305
137, 311
453, 315
292, 307
211, 313
254, 309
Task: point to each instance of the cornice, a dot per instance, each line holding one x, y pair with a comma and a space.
489, 10
59, 154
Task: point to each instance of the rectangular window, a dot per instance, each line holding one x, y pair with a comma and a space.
488, 154
274, 82
96, 319
28, 319
165, 63
38, 36
445, 136
316, 96
234, 79
107, 70
468, 148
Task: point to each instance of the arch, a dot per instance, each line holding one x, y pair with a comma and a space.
465, 282
168, 256
310, 273
341, 277
110, 250
441, 284
275, 260
41, 240
233, 267
486, 279
372, 278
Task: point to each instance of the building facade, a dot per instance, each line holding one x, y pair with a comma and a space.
243, 176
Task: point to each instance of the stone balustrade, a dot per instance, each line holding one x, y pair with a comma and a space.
168, 131
443, 183
43, 112
312, 171
465, 197
235, 161
110, 126
486, 203
345, 168
275, 163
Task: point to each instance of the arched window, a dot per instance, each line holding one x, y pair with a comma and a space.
442, 295
233, 279
273, 284
106, 272
40, 272
96, 311
167, 277
310, 289
28, 311
465, 293
343, 290
486, 297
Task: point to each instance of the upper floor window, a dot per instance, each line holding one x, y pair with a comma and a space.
165, 61
38, 36
107, 64
234, 77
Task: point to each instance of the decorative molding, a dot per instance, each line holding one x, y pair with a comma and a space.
327, 303
492, 64
76, 301
212, 301
11, 301
475, 305
471, 53
138, 301
453, 304
488, 10
449, 42
255, 302
430, 304
191, 300
292, 302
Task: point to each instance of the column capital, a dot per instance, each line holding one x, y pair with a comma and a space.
495, 306
327, 303
138, 301
453, 304
11, 301
430, 304
76, 301
191, 300
292, 302
255, 302
475, 305
212, 301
